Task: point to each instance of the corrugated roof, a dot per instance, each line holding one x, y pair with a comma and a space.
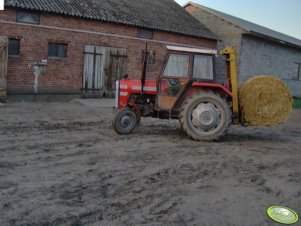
250, 27
164, 15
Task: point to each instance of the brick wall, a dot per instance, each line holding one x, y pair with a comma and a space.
66, 75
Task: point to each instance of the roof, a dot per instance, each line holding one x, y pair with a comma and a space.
164, 15
250, 27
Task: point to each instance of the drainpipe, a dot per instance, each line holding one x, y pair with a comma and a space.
39, 67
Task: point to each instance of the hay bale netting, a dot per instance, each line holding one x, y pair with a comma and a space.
265, 101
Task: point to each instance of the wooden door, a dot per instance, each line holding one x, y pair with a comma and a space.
115, 69
3, 66
102, 67
93, 71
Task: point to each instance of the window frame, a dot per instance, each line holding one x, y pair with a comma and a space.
57, 56
18, 47
298, 77
27, 13
148, 63
213, 69
188, 69
145, 33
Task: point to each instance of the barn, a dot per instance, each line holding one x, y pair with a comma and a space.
260, 50
79, 48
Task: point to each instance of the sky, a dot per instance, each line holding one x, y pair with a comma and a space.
280, 15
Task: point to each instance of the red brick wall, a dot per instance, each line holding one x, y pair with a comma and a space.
66, 75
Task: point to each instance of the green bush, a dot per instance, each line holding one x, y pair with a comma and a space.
297, 103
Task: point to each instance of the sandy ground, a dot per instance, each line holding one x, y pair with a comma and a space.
62, 164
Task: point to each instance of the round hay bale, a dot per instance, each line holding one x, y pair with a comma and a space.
265, 101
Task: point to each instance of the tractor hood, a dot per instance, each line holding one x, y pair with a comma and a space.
125, 88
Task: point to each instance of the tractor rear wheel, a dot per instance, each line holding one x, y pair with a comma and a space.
205, 116
125, 121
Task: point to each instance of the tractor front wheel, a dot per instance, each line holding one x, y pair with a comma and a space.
205, 116
125, 121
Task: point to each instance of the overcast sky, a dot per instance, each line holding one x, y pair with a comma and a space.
280, 15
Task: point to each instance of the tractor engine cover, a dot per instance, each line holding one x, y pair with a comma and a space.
125, 88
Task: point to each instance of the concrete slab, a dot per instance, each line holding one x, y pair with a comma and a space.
97, 102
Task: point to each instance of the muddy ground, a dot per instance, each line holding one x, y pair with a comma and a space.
62, 164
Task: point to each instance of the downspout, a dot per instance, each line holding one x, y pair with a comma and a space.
39, 67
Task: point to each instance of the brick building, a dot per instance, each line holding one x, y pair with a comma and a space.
260, 50
81, 47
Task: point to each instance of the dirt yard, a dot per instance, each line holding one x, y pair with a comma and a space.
63, 164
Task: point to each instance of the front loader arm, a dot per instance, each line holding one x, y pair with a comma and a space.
230, 53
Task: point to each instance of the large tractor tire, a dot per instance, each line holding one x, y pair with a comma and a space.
205, 116
125, 121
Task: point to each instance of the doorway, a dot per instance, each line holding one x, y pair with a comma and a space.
102, 67
3, 66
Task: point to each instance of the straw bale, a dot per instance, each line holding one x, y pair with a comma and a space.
265, 101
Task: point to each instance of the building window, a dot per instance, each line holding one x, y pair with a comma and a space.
14, 47
298, 70
30, 18
150, 57
147, 34
57, 50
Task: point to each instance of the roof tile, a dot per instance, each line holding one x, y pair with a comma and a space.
164, 15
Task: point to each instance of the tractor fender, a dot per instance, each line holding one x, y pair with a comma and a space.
212, 86
196, 87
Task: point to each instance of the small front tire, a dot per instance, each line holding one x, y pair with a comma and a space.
125, 121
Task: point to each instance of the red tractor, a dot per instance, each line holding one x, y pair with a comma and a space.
185, 90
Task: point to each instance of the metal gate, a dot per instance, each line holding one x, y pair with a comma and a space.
3, 66
103, 65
